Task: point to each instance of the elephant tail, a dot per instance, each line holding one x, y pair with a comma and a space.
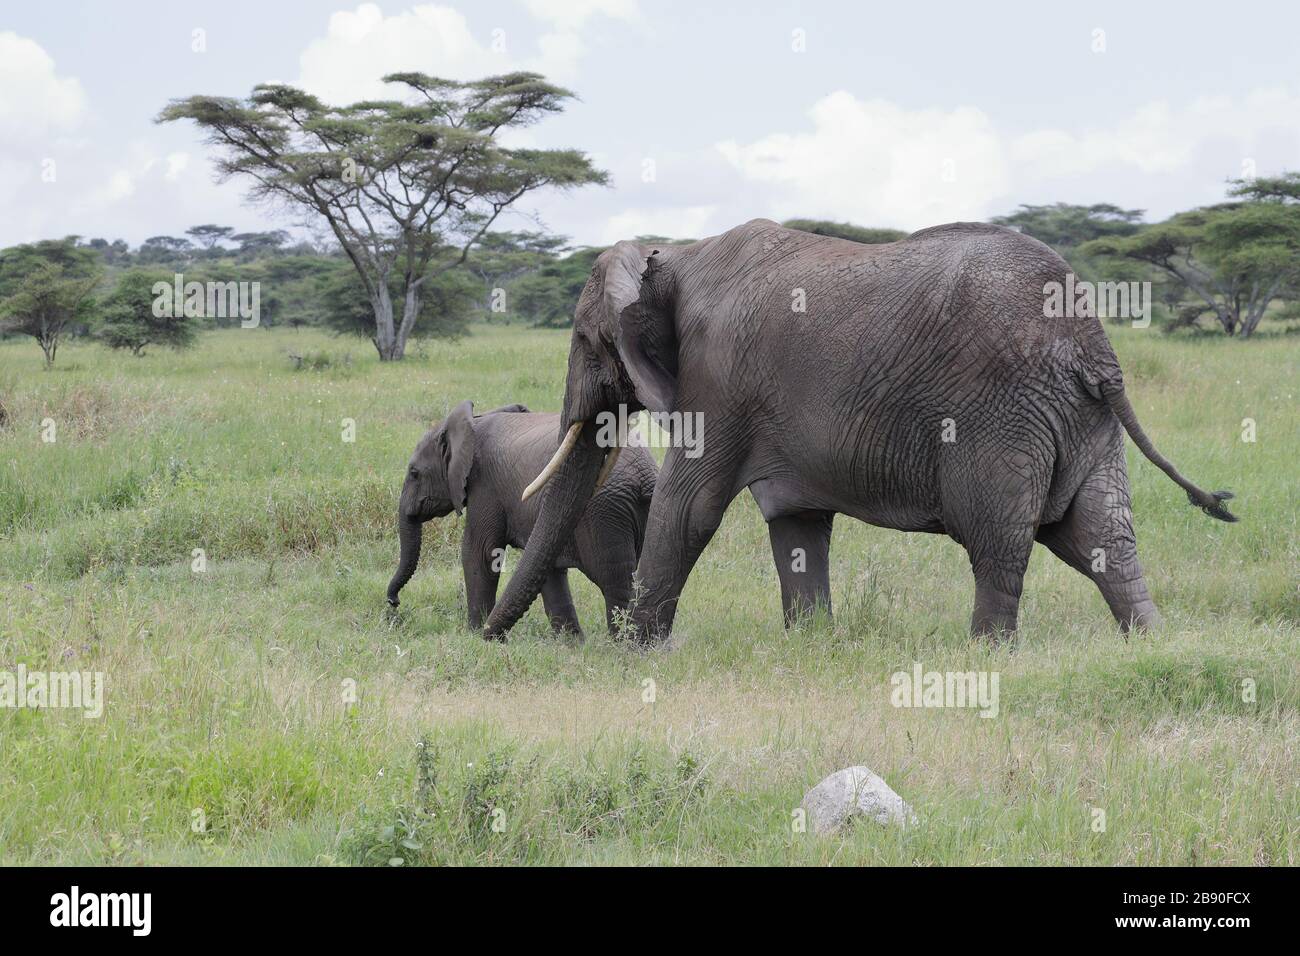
1112, 392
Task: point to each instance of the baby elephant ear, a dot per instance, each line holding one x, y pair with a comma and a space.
460, 453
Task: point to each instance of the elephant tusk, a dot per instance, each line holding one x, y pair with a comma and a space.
608, 466
561, 453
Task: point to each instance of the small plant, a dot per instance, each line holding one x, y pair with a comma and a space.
426, 774
506, 809
319, 361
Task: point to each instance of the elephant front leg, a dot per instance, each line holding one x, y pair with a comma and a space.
558, 601
481, 562
801, 549
689, 501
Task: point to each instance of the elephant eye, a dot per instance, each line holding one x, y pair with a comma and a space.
415, 473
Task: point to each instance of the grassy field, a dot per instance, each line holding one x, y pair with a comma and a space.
231, 732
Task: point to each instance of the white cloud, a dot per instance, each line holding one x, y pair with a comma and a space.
873, 162
120, 185
672, 221
573, 14
1159, 138
34, 100
177, 163
362, 45
146, 185
41, 114
840, 156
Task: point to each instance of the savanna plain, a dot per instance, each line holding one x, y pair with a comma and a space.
201, 532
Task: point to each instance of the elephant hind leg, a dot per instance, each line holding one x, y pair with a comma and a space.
801, 548
1095, 537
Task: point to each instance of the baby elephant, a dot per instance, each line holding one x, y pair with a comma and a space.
482, 464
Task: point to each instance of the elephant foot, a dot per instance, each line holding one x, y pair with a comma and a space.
1140, 617
997, 607
994, 636
807, 613
994, 628
640, 637
567, 629
646, 633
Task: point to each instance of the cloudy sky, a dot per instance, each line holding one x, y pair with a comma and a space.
884, 114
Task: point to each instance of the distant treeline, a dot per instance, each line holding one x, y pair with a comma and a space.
1232, 263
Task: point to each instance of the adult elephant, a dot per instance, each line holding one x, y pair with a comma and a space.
921, 388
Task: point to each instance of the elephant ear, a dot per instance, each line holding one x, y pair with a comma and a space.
646, 335
459, 436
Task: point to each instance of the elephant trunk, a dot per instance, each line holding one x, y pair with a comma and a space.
563, 500
409, 532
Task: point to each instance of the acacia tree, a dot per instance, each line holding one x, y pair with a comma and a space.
209, 235
46, 288
406, 187
546, 297
341, 303
501, 258
1065, 226
1234, 258
845, 230
166, 249
46, 304
255, 244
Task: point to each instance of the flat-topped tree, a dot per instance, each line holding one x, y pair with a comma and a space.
845, 230
166, 249
406, 187
1234, 258
254, 244
209, 235
1065, 226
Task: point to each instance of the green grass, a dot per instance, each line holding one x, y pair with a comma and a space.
228, 691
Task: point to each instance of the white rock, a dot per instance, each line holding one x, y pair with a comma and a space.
854, 791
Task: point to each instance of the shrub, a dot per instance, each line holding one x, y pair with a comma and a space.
503, 808
130, 320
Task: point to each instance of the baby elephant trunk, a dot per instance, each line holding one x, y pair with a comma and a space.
409, 533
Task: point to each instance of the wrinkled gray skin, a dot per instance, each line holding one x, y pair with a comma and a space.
481, 464
841, 409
